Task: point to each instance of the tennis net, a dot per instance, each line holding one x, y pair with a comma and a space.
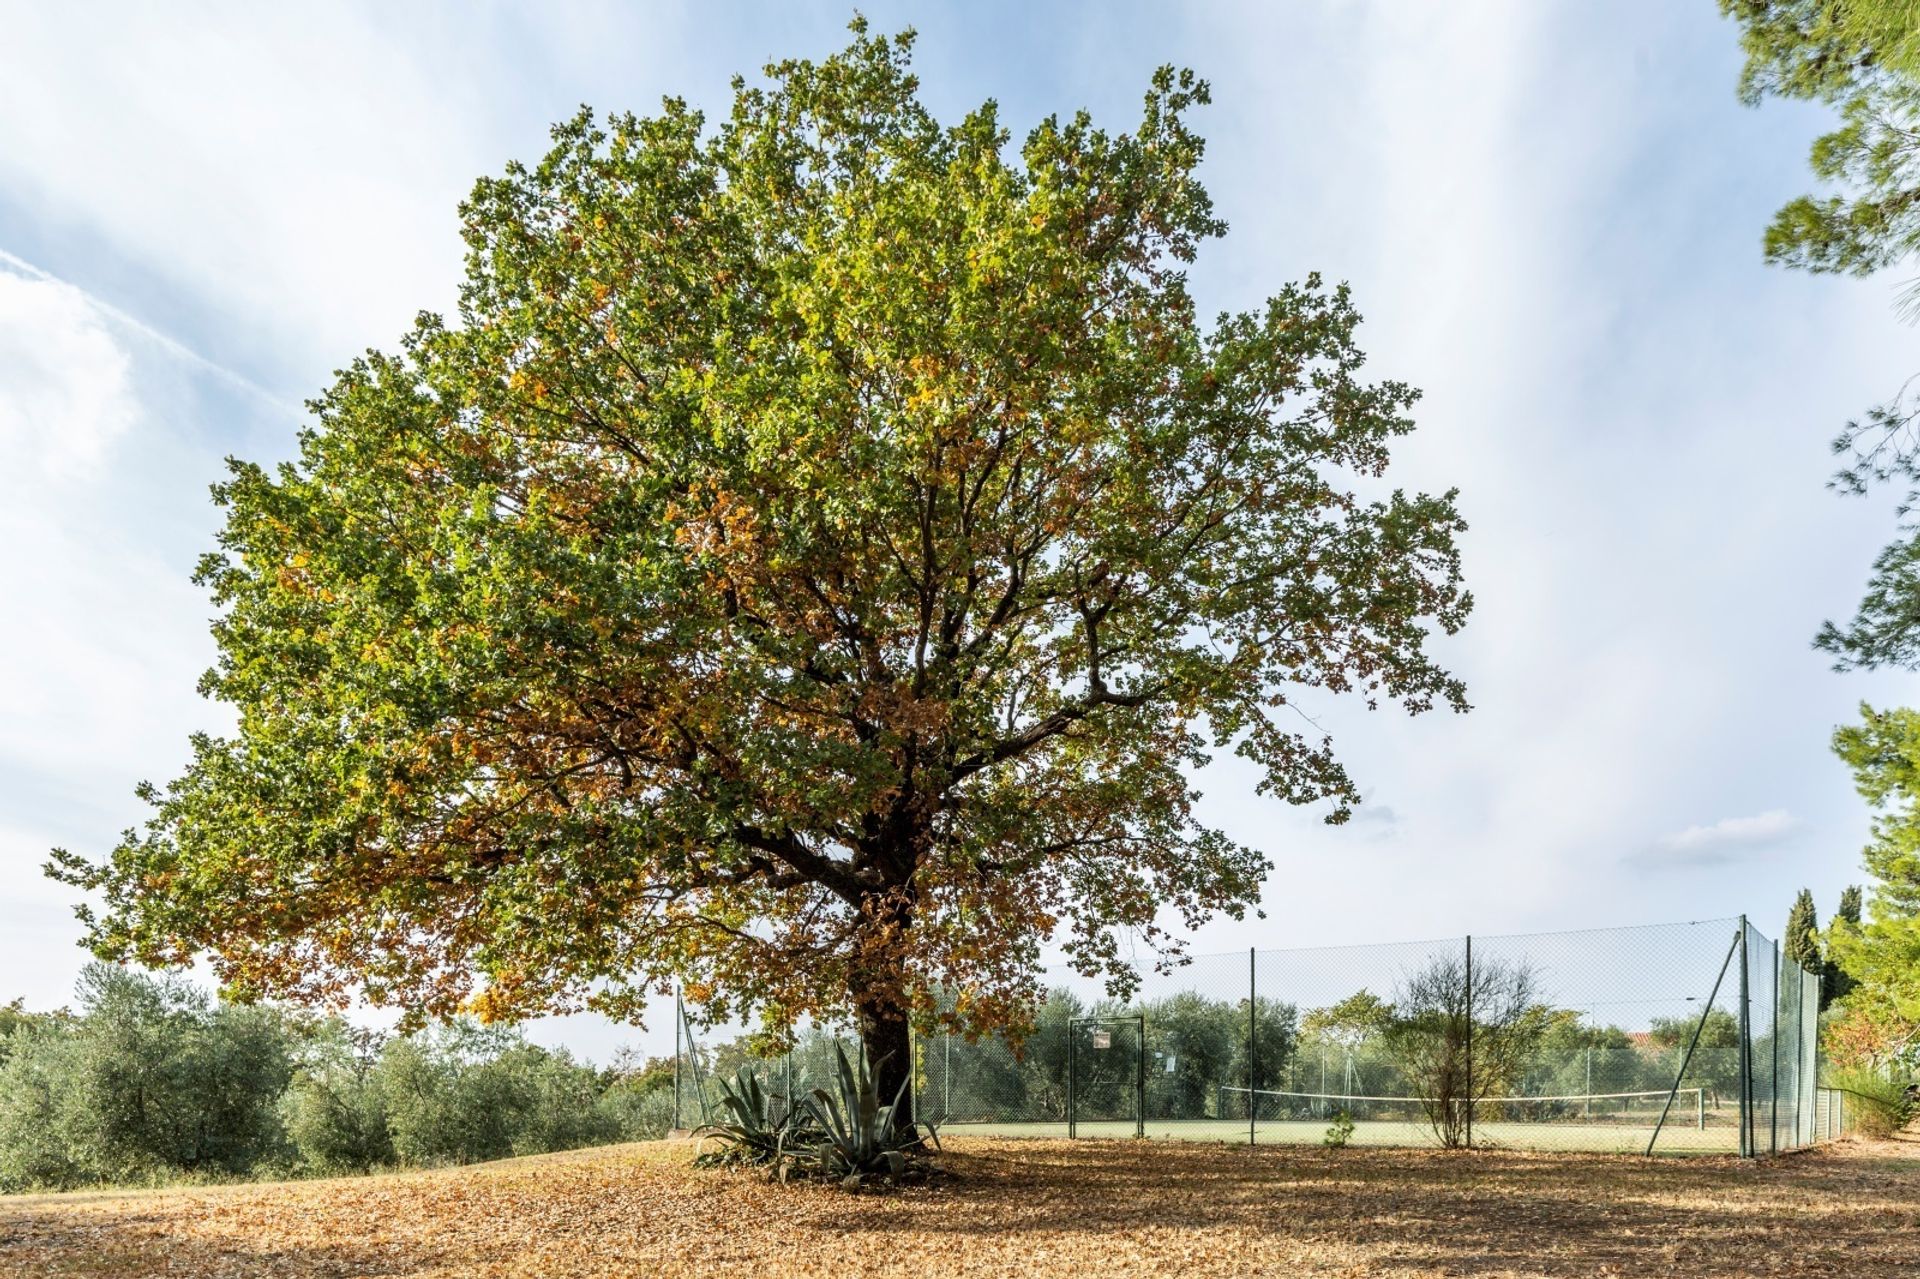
1689, 1106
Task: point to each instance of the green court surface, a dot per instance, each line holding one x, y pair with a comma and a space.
1613, 1138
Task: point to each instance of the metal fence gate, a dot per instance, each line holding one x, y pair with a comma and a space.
1107, 1074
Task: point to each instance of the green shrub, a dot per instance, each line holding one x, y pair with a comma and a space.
40, 1109
1339, 1132
859, 1138
334, 1111
1876, 1105
466, 1092
562, 1097
636, 1113
761, 1128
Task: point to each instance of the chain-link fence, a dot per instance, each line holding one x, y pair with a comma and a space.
1697, 1037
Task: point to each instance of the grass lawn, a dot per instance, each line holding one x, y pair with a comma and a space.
1020, 1208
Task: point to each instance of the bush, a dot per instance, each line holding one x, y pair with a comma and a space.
467, 1092
40, 1110
1876, 1105
334, 1112
636, 1113
152, 1080
173, 1083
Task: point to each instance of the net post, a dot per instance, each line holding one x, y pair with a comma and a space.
1700, 1107
1253, 1047
1469, 1041
1739, 940
1746, 1051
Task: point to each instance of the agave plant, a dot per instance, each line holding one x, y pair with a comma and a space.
764, 1129
857, 1136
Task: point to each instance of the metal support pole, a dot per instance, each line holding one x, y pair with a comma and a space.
1140, 1079
1073, 1080
1773, 1053
1469, 1041
1746, 1052
949, 1073
676, 1058
1253, 1046
1700, 1095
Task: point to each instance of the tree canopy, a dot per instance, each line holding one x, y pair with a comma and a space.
1863, 58
812, 568
1801, 941
1881, 956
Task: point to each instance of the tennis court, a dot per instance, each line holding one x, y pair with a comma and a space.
1694, 1038
1722, 1139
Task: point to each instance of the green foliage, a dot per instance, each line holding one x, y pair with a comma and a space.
1878, 1106
1716, 1060
1836, 984
636, 1113
466, 1093
334, 1110
1204, 1040
1339, 1132
1801, 940
860, 1139
761, 1129
1861, 57
44, 1138
1808, 946
1461, 1035
637, 1097
151, 1081
16, 1020
832, 541
1882, 955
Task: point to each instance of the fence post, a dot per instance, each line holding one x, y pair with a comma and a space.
1140, 1079
1746, 1053
1253, 1047
1469, 1041
1773, 1051
1073, 1082
676, 1057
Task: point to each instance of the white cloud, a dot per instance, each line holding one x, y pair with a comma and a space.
1730, 837
64, 390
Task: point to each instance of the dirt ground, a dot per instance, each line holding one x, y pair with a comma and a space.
1020, 1208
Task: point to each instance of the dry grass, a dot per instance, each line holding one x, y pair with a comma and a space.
1020, 1208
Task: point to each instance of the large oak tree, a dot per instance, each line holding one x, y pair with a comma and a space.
811, 569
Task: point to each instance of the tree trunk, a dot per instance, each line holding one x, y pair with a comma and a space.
889, 1048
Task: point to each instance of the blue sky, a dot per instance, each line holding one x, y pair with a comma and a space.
1550, 214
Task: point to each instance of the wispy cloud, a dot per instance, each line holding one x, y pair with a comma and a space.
64, 385
16, 268
1725, 840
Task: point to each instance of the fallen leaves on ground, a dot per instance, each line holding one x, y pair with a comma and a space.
1017, 1208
